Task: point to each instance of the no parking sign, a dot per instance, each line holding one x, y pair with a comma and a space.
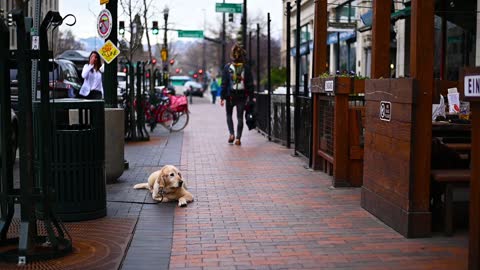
104, 23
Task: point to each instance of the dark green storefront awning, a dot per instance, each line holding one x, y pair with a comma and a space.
400, 14
397, 15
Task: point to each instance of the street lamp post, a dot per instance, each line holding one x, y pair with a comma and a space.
165, 46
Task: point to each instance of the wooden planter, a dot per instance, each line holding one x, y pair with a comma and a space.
390, 190
358, 86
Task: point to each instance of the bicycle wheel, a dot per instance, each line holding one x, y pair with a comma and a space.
166, 118
180, 120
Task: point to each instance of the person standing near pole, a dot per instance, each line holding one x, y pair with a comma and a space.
237, 90
92, 87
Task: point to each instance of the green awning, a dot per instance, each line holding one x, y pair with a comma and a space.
400, 14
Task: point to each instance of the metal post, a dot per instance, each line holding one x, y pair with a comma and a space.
6, 174
258, 58
250, 60
110, 73
269, 79
288, 67
297, 77
223, 42
165, 44
142, 131
244, 24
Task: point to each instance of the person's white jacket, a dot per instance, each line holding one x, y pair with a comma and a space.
92, 80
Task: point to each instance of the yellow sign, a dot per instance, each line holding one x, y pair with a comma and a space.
109, 51
164, 54
103, 2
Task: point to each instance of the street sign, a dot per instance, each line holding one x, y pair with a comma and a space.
104, 23
109, 51
385, 111
228, 7
103, 2
190, 33
35, 42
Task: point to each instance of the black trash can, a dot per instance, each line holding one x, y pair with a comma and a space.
77, 158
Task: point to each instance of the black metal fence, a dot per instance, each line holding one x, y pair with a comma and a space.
304, 126
278, 120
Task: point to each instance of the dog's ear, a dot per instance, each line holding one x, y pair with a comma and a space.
161, 180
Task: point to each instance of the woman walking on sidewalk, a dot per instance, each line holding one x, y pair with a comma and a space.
237, 89
214, 89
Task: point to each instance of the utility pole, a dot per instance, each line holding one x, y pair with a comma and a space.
258, 58
166, 76
244, 24
223, 41
110, 74
204, 61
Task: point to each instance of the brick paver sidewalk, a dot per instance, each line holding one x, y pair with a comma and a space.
257, 207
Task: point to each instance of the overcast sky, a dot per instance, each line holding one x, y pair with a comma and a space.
184, 14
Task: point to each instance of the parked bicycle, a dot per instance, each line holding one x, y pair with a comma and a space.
166, 109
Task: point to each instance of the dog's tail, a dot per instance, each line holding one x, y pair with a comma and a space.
141, 185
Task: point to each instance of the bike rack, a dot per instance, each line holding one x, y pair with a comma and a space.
135, 129
31, 244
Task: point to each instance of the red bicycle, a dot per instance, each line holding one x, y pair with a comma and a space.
170, 111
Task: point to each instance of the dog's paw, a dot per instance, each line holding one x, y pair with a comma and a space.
182, 202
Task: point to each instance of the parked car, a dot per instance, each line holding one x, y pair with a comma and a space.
14, 137
193, 88
64, 81
78, 57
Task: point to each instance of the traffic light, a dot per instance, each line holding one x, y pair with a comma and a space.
155, 27
172, 61
200, 71
154, 61
195, 75
177, 70
230, 17
121, 28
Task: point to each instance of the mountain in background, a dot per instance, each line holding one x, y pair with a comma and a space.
95, 43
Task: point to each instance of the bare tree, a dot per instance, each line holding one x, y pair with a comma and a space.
66, 41
132, 10
145, 18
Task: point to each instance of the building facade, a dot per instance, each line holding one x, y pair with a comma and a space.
349, 37
46, 5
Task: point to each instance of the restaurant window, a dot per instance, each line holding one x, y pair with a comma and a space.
306, 45
460, 37
345, 39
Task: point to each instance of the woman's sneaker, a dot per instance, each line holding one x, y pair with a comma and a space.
231, 139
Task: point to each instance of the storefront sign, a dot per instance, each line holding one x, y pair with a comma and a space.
472, 86
385, 111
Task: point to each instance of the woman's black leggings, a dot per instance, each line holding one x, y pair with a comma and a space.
240, 104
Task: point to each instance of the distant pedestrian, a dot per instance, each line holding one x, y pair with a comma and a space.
214, 89
92, 87
237, 89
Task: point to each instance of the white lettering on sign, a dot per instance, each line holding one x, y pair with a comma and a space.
472, 86
385, 111
329, 86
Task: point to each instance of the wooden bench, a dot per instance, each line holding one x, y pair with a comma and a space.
450, 179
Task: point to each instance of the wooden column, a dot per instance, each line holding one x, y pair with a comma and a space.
421, 59
381, 39
320, 38
474, 226
319, 67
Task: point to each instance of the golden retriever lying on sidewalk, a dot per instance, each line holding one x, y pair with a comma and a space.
167, 185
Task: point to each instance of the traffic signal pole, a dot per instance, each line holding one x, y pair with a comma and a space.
110, 73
